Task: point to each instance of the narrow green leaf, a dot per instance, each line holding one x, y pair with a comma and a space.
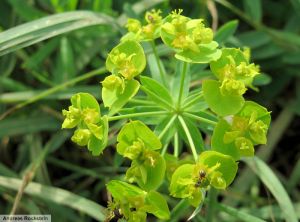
17, 126
66, 94
254, 39
65, 68
36, 59
226, 31
26, 10
254, 9
156, 88
195, 134
272, 182
296, 5
47, 27
238, 214
57, 195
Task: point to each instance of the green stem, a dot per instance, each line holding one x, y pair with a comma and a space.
212, 197
201, 119
164, 150
141, 101
167, 126
147, 91
176, 144
183, 75
179, 210
143, 114
161, 72
192, 101
189, 137
53, 90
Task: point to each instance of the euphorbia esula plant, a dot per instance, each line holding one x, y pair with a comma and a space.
166, 113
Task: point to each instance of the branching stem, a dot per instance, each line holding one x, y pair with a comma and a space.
183, 75
189, 137
142, 114
201, 119
161, 71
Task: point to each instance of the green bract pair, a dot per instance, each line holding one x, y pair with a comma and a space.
236, 135
138, 143
212, 169
92, 129
125, 61
177, 113
235, 74
134, 203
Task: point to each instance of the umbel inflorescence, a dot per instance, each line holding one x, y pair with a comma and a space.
218, 105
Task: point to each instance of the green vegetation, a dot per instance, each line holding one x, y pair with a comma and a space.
174, 128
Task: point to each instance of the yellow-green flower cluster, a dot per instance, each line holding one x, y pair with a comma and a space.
183, 33
147, 32
125, 61
84, 113
189, 180
239, 133
245, 132
234, 71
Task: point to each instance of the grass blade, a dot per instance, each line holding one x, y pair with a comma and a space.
271, 181
57, 195
47, 27
237, 213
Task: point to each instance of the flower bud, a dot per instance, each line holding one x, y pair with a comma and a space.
124, 65
133, 152
90, 116
81, 137
233, 87
153, 16
133, 25
217, 181
258, 131
112, 81
244, 146
72, 117
202, 35
245, 70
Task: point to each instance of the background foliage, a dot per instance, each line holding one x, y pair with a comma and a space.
36, 82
